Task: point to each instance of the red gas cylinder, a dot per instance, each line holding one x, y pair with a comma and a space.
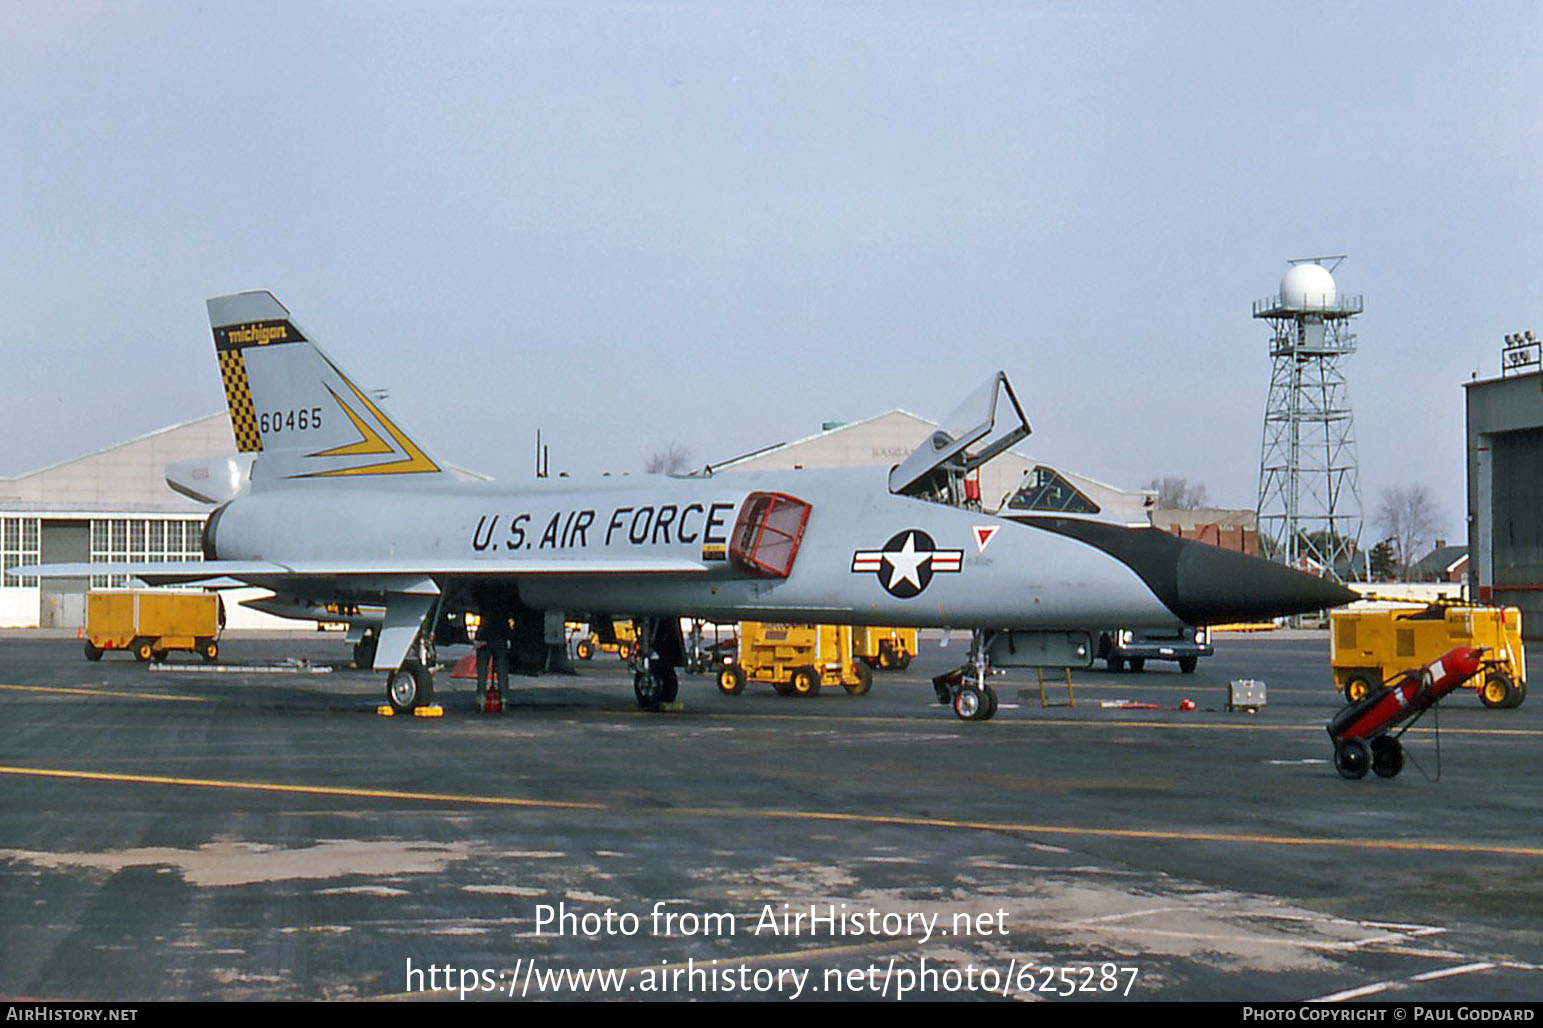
1360, 730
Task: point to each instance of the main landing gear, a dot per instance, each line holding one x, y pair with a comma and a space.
965, 688
412, 685
656, 654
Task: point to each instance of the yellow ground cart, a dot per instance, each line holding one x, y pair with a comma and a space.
795, 659
886, 649
626, 635
151, 623
1370, 647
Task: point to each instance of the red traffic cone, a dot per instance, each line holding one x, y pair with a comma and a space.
494, 704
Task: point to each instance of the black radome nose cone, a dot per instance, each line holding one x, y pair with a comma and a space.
1216, 586
1200, 583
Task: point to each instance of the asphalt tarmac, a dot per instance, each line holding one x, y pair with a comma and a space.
171, 834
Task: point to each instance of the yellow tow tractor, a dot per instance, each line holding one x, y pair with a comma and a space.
884, 649
150, 623
1370, 647
795, 659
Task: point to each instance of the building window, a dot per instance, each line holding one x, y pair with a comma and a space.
19, 545
143, 540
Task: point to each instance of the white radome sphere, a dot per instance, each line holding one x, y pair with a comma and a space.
1307, 286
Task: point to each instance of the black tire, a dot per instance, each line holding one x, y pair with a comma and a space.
864, 675
159, 654
1358, 687
1189, 664
886, 658
1352, 759
143, 650
783, 688
655, 688
805, 682
903, 663
93, 651
1114, 664
991, 704
409, 686
731, 680
209, 649
972, 704
1138, 663
1498, 691
1387, 756
584, 649
1521, 694
364, 654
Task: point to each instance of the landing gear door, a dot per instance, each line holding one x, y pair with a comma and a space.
967, 438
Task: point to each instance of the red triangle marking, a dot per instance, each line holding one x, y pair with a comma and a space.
983, 535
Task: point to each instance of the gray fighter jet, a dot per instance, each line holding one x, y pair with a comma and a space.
342, 507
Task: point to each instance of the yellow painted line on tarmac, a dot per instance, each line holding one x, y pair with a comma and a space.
1000, 723
106, 692
305, 790
1145, 835
728, 813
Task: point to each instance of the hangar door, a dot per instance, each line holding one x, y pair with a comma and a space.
1517, 507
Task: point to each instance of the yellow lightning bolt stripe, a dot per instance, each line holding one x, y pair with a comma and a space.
370, 443
415, 461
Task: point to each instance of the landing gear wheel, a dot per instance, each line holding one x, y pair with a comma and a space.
93, 652
655, 687
1189, 664
143, 651
731, 680
972, 704
944, 693
1387, 756
209, 650
584, 649
1138, 663
1352, 759
1357, 688
805, 682
1497, 691
409, 686
864, 676
364, 653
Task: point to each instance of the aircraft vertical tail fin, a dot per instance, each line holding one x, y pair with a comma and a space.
295, 408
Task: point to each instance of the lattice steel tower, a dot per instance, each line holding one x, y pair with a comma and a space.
1309, 479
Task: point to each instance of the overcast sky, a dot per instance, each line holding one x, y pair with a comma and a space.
637, 223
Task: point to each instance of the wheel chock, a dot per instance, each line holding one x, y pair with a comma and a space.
384, 710
432, 710
674, 707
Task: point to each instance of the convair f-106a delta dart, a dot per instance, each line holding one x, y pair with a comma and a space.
331, 502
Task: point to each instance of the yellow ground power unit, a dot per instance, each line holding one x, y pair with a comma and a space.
795, 659
1370, 647
885, 649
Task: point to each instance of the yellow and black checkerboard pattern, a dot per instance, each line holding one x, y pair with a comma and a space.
238, 393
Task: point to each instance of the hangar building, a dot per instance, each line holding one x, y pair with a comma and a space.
1505, 494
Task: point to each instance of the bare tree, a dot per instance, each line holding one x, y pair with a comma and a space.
672, 460
1175, 493
1410, 518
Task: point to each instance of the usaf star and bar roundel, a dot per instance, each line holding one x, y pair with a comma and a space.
907, 562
